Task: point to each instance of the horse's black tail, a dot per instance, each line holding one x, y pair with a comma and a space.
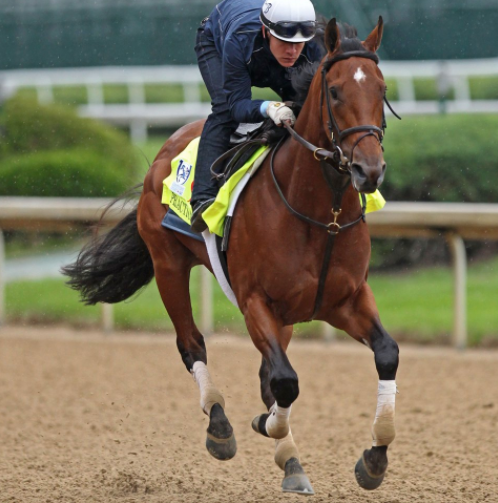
112, 267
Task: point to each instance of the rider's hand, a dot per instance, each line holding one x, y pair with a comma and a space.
279, 112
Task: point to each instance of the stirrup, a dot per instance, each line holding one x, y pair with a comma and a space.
197, 223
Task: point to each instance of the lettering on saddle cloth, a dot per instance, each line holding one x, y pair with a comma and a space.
181, 207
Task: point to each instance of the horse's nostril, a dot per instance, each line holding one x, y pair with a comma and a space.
384, 166
357, 168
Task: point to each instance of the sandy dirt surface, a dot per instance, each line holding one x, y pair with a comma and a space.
89, 418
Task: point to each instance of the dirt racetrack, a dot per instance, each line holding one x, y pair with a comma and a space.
90, 418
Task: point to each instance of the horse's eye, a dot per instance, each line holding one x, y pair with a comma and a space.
333, 92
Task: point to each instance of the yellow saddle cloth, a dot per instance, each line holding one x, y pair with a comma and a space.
177, 189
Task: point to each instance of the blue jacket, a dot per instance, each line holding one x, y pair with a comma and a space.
235, 28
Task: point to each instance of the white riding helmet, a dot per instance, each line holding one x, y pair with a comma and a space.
289, 20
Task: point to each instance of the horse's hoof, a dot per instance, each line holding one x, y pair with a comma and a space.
220, 448
259, 424
365, 479
296, 481
220, 440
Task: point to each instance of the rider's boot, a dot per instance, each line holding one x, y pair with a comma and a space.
197, 223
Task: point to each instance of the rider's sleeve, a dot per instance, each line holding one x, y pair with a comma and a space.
237, 85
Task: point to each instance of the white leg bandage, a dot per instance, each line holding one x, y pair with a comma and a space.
383, 432
209, 393
285, 449
277, 424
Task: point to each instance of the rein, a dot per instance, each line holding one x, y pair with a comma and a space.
332, 228
339, 178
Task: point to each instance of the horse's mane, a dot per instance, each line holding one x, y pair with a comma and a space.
302, 77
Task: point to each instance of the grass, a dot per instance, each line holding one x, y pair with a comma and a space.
51, 301
415, 306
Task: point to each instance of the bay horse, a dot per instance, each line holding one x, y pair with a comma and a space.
299, 250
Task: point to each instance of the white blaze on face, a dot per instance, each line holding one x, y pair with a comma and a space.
359, 76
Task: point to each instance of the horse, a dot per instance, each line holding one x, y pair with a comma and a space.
299, 249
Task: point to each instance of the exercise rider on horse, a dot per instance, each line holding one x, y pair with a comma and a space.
243, 44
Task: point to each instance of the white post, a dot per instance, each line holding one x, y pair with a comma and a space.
207, 325
191, 92
107, 318
95, 92
2, 279
406, 88
328, 332
459, 256
138, 131
136, 92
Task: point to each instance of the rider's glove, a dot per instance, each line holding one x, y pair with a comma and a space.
279, 112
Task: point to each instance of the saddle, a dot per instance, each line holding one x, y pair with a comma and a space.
244, 142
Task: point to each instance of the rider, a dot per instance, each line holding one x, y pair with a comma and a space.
242, 44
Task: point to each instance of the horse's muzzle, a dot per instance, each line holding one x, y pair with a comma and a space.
367, 178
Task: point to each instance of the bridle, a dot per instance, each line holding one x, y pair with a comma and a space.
339, 178
340, 161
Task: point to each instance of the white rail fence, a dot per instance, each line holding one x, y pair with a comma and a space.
455, 222
138, 115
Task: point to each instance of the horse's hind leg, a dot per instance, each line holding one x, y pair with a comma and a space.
172, 265
364, 325
286, 452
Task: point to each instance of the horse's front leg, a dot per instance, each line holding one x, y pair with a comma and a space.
279, 388
360, 319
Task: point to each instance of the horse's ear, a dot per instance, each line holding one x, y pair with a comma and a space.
372, 42
332, 36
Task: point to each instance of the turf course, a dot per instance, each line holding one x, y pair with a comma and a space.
415, 306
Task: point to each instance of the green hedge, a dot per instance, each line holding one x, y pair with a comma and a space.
29, 127
449, 158
50, 151
68, 173
445, 158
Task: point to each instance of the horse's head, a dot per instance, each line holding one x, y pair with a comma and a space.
353, 91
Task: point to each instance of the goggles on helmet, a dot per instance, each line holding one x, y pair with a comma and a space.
289, 29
